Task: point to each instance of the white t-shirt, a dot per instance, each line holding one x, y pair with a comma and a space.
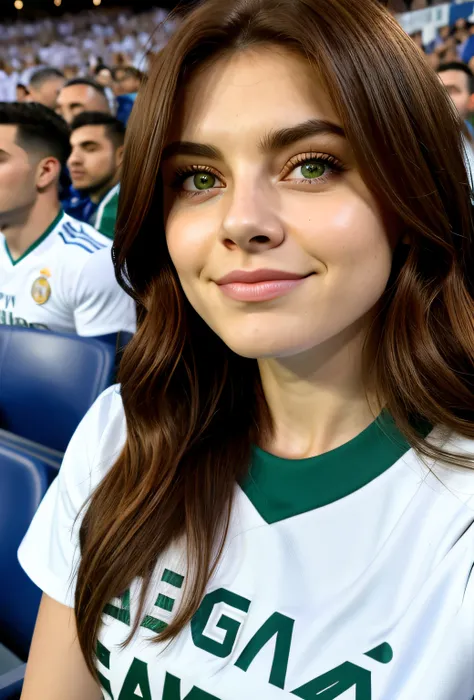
348, 576
65, 283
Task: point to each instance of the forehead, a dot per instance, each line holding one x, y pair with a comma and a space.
252, 91
92, 132
76, 93
54, 81
8, 135
454, 77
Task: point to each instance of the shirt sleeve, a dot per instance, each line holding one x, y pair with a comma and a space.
101, 306
49, 552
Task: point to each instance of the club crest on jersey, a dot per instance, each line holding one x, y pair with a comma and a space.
41, 290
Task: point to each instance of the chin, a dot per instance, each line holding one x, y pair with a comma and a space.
267, 346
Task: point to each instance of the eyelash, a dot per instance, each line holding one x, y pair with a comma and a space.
181, 174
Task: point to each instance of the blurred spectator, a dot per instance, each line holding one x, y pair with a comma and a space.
21, 93
459, 82
95, 163
127, 81
103, 75
81, 95
55, 272
45, 86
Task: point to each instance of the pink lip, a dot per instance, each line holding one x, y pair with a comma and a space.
259, 285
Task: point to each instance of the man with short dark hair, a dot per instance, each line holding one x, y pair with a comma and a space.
81, 95
56, 273
127, 81
95, 163
45, 85
458, 80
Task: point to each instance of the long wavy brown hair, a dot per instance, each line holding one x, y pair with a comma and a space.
193, 408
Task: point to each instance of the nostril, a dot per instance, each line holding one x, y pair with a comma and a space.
260, 239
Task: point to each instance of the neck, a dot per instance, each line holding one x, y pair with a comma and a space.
99, 194
318, 400
23, 229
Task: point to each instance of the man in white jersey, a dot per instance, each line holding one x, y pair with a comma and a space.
56, 273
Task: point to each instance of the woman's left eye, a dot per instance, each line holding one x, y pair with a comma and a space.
309, 170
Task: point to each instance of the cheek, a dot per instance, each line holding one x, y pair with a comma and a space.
190, 238
344, 231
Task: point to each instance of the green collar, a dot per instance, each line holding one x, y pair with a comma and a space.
282, 488
37, 242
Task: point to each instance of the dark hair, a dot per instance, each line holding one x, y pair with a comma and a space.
459, 66
42, 76
129, 71
102, 66
114, 128
40, 130
87, 81
193, 407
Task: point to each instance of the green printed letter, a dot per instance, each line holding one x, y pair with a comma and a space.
282, 627
231, 626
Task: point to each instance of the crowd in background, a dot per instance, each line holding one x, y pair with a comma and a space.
72, 82
80, 45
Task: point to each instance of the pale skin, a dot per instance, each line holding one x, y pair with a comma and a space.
29, 200
261, 213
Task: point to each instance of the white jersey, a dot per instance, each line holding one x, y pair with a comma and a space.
348, 576
65, 283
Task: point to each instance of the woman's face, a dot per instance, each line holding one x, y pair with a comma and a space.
277, 242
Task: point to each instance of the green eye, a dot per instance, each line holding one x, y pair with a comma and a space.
204, 181
313, 169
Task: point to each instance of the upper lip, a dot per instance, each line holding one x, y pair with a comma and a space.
254, 276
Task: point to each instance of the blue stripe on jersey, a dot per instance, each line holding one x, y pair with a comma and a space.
80, 244
71, 232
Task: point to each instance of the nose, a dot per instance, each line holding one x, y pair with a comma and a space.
74, 159
251, 221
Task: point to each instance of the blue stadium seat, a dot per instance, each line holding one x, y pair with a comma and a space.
23, 483
52, 459
48, 381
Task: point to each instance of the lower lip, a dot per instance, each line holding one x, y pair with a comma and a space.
259, 291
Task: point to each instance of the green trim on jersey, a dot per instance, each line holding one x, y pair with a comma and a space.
282, 488
39, 240
106, 215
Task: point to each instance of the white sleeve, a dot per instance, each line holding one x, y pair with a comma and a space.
49, 553
101, 306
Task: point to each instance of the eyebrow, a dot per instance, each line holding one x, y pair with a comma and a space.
271, 142
85, 144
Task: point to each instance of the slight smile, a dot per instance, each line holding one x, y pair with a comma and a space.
259, 285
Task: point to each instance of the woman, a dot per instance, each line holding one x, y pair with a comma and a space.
278, 502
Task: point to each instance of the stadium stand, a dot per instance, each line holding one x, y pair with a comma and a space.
49, 381
23, 483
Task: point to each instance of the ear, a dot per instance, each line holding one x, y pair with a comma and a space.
119, 156
47, 172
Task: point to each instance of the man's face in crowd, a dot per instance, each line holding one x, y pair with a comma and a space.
17, 177
74, 99
94, 160
457, 84
104, 77
47, 93
125, 83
